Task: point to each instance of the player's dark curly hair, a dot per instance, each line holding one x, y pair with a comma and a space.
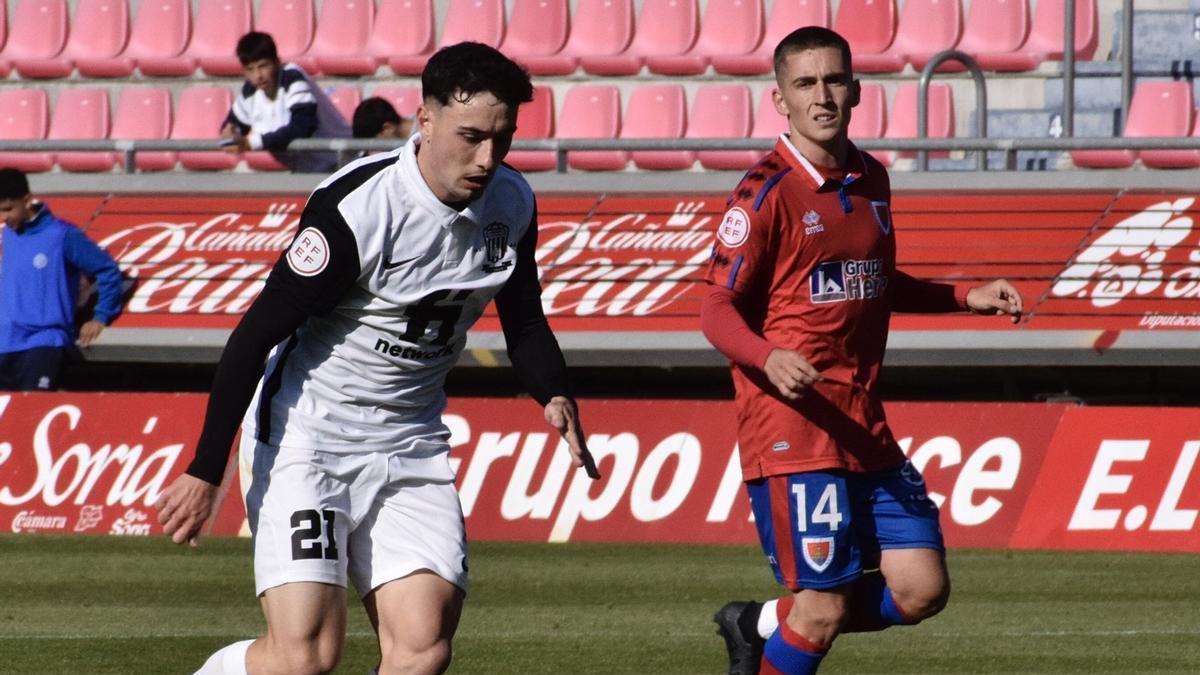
256, 46
811, 37
13, 184
462, 70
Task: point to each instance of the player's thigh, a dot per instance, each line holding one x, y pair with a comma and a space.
40, 368
414, 614
306, 624
806, 528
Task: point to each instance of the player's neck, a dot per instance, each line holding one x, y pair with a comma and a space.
828, 155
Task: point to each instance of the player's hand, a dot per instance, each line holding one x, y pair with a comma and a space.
562, 414
236, 144
184, 507
998, 297
89, 331
790, 372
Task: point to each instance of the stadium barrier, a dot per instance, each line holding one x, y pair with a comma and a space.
1021, 476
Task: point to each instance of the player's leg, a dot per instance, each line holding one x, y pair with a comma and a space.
306, 629
410, 561
39, 369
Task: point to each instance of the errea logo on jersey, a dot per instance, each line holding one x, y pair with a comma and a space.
843, 280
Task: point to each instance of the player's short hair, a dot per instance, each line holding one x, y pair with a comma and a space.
468, 68
371, 115
13, 184
256, 46
811, 37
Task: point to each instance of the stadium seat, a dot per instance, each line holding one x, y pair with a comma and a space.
926, 27
5, 65
664, 27
600, 28
592, 111
1158, 108
786, 16
729, 27
404, 98
535, 120
722, 111
474, 21
868, 25
345, 99
144, 113
82, 113
768, 123
993, 28
158, 42
537, 33
869, 118
291, 23
201, 111
1174, 159
658, 111
25, 116
101, 31
403, 35
39, 33
902, 122
343, 31
1045, 41
219, 25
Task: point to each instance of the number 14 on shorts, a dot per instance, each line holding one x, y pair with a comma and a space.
826, 511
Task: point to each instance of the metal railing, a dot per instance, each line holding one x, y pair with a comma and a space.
923, 102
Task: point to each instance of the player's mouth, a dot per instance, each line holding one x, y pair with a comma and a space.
477, 182
826, 119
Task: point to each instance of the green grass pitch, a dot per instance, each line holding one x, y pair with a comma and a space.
130, 605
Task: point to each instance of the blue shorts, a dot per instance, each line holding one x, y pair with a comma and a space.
821, 529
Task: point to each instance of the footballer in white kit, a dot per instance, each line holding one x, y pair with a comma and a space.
395, 258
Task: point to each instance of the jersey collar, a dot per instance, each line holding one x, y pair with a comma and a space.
857, 164
424, 194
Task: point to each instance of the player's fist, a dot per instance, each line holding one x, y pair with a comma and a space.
998, 297
184, 507
563, 414
790, 372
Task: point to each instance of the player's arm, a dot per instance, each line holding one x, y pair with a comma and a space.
918, 295
287, 300
534, 351
89, 258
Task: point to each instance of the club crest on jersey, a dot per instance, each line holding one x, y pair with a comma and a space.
812, 223
843, 280
309, 254
883, 215
495, 240
734, 227
818, 552
909, 473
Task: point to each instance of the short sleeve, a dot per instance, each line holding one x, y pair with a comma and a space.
741, 245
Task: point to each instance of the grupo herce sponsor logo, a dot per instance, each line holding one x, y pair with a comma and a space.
1142, 255
845, 280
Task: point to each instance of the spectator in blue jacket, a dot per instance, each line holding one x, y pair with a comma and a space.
39, 288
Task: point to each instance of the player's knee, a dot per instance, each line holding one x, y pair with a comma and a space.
921, 601
427, 659
308, 657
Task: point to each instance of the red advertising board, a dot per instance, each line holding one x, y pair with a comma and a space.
1089, 260
1004, 475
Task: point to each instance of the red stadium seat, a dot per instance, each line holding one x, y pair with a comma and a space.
404, 35
868, 25
658, 111
722, 111
1158, 109
601, 28
786, 16
537, 33
729, 27
993, 29
202, 109
926, 27
474, 21
592, 111
25, 116
219, 25
1175, 159
343, 31
869, 118
5, 65
82, 113
535, 120
101, 31
158, 43
291, 23
144, 113
404, 98
39, 33
768, 123
902, 122
345, 99
664, 27
1045, 42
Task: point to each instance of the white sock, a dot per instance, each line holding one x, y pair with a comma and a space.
768, 622
229, 660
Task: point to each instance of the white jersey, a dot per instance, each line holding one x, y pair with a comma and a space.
271, 124
366, 372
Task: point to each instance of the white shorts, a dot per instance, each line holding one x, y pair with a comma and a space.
320, 516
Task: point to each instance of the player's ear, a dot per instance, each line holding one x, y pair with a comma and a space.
780, 104
424, 120
855, 92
